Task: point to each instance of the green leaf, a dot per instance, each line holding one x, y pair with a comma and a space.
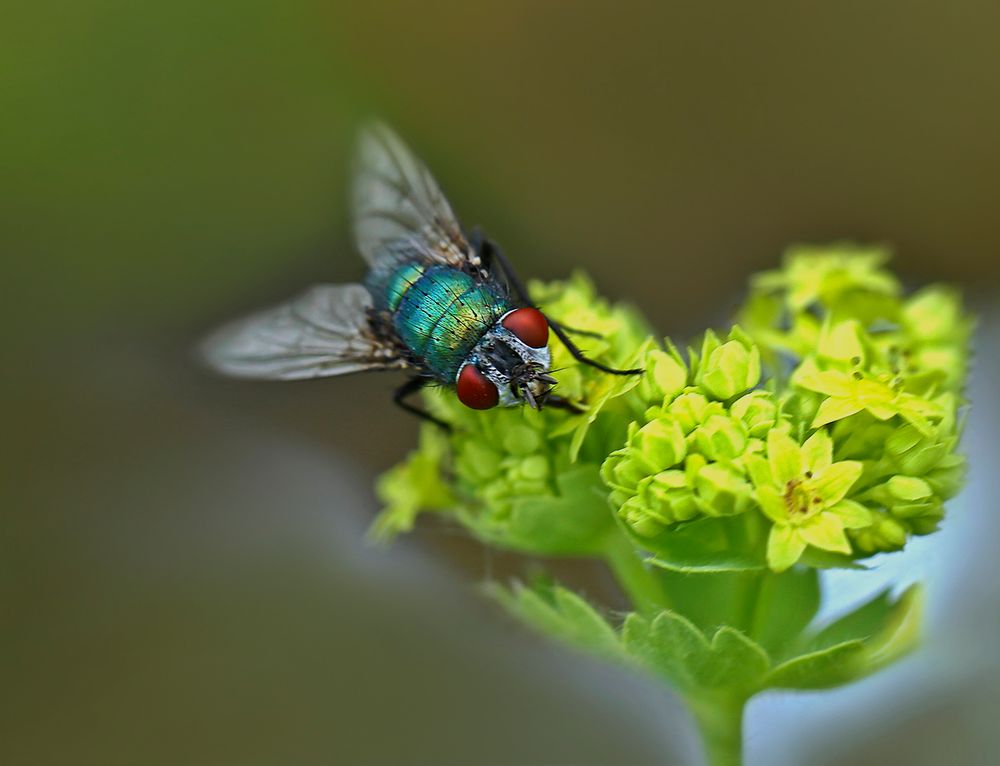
865, 621
820, 669
736, 661
712, 544
573, 523
874, 635
670, 645
563, 615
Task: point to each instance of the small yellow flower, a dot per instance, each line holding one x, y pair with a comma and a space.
803, 492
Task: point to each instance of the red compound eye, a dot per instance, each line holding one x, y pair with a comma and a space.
475, 390
530, 325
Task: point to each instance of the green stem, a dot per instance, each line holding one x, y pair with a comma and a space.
748, 602
720, 723
640, 583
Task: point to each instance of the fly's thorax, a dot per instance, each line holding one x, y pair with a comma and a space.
438, 312
511, 364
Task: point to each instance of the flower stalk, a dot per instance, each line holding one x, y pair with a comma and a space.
719, 719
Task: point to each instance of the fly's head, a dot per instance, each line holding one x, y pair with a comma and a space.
510, 365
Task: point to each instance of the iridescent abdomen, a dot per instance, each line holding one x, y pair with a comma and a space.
441, 313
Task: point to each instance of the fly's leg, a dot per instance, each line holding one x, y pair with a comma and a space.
409, 388
577, 330
490, 253
583, 358
558, 403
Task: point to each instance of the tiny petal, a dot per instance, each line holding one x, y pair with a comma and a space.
825, 531
772, 503
835, 409
785, 457
817, 452
784, 547
827, 382
832, 483
842, 342
759, 470
881, 410
851, 514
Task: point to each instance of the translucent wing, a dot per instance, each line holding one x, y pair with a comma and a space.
325, 331
396, 198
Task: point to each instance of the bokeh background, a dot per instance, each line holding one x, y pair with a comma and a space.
183, 572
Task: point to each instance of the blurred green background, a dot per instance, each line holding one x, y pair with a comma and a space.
182, 567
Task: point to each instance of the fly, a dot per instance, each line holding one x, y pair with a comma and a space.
445, 307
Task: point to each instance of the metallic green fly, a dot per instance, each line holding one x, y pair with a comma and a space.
445, 306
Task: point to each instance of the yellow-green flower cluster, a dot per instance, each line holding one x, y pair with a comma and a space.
882, 371
686, 456
824, 425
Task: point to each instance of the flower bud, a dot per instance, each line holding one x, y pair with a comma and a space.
758, 411
730, 369
691, 409
478, 462
908, 488
722, 491
928, 508
947, 477
884, 534
641, 519
665, 375
658, 445
621, 471
667, 495
935, 314
721, 438
531, 468
928, 521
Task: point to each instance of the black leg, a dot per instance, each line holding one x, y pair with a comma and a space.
488, 252
583, 358
409, 388
558, 403
576, 330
